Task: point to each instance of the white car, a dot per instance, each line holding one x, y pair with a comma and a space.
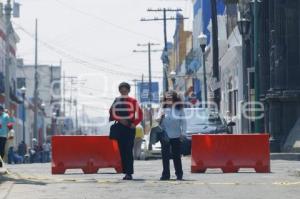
148, 152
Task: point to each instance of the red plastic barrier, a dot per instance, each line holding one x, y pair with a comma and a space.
88, 153
230, 152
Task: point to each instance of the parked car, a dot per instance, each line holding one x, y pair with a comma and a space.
150, 151
203, 121
199, 121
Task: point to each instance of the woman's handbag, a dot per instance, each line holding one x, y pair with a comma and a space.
114, 131
158, 134
154, 134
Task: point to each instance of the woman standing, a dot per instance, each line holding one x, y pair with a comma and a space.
173, 123
128, 114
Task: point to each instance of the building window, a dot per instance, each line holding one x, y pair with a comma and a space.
232, 102
251, 79
21, 82
235, 101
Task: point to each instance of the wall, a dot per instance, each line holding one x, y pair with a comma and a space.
46, 75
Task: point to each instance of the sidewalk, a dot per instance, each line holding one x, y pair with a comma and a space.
285, 156
4, 186
3, 169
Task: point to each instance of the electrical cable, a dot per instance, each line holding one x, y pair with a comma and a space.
79, 60
104, 20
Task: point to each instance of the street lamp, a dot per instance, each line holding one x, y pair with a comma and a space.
23, 92
244, 26
173, 78
203, 42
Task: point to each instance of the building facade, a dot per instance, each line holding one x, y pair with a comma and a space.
14, 95
177, 56
275, 83
279, 69
49, 98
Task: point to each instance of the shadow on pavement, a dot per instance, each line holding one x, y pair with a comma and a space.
138, 180
240, 172
21, 181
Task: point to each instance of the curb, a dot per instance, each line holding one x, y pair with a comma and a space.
285, 156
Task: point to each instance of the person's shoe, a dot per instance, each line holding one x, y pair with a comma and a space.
127, 177
164, 178
179, 178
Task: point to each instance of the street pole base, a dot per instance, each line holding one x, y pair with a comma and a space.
275, 146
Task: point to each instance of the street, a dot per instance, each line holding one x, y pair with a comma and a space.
36, 181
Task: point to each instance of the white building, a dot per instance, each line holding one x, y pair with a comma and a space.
202, 24
230, 58
13, 40
49, 97
231, 80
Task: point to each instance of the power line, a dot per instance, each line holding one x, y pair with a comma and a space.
149, 51
165, 57
79, 60
104, 20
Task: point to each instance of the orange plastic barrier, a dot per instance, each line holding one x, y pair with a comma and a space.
88, 153
230, 152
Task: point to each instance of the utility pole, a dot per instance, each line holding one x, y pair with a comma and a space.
36, 84
83, 125
71, 78
135, 87
215, 45
64, 93
141, 90
76, 116
71, 98
256, 64
8, 10
149, 71
165, 54
74, 101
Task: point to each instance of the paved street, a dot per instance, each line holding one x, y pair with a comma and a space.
35, 181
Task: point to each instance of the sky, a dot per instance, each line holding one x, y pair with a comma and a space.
95, 39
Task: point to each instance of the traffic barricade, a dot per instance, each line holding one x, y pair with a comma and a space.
89, 153
230, 152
